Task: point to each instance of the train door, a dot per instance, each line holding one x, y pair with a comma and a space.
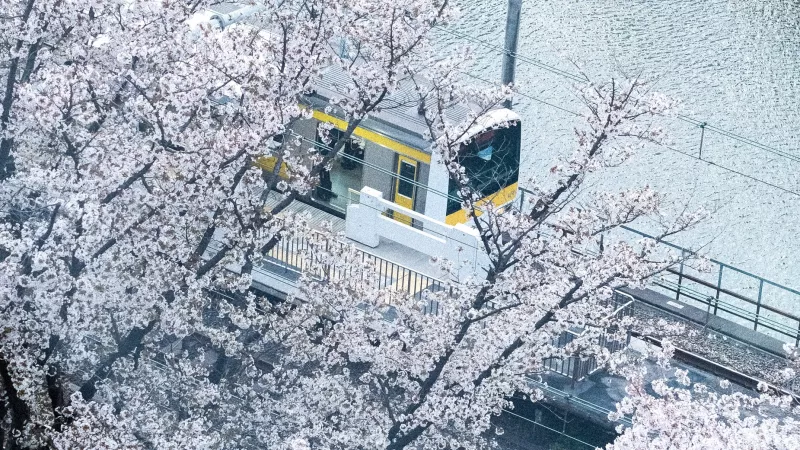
404, 188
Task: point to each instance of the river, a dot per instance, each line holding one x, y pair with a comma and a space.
732, 64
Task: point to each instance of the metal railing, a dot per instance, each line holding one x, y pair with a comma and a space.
733, 294
724, 291
294, 254
577, 367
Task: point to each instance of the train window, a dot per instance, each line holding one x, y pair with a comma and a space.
405, 187
491, 162
346, 171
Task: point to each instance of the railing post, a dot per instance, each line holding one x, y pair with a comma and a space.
758, 305
680, 278
797, 336
383, 275
708, 310
719, 287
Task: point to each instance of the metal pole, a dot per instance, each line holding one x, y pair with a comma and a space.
719, 288
758, 305
680, 278
510, 55
797, 336
702, 135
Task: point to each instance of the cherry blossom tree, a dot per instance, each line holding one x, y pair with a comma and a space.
677, 414
374, 368
130, 133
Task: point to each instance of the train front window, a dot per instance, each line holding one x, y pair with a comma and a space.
491, 162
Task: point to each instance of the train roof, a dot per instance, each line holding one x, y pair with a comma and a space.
398, 116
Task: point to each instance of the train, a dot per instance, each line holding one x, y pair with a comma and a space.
389, 151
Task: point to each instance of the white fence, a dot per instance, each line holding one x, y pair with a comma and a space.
369, 222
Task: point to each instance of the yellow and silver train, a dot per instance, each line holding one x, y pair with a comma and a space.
388, 151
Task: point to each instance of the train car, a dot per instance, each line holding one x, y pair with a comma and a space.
389, 152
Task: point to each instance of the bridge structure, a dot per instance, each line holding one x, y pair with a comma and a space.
737, 325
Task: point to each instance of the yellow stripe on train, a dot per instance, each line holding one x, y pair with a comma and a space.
377, 138
501, 197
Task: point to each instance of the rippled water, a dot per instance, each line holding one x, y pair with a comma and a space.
733, 64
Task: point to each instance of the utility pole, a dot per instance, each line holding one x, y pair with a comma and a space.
510, 54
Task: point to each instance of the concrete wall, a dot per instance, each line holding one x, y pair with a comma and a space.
459, 243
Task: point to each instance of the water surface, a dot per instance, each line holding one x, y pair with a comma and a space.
733, 64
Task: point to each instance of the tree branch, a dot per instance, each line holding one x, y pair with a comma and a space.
127, 183
127, 346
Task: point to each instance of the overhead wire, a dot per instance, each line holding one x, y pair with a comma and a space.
578, 78
706, 161
682, 117
527, 419
518, 92
517, 55
734, 171
739, 138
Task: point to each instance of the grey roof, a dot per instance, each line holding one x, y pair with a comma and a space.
397, 117
225, 7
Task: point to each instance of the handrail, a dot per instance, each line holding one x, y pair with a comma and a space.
677, 247
719, 263
386, 268
731, 309
577, 367
734, 294
717, 288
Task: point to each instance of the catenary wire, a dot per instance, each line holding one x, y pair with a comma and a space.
736, 172
518, 92
527, 419
681, 117
578, 78
706, 161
